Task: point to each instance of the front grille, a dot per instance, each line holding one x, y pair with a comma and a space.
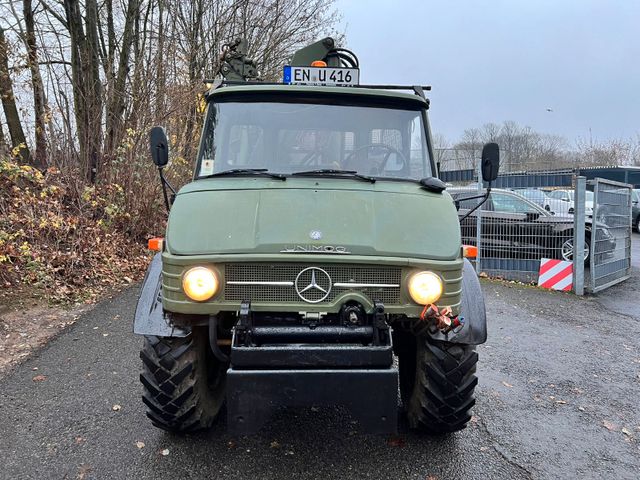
356, 274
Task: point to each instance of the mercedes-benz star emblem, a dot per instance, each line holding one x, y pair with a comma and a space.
313, 285
315, 234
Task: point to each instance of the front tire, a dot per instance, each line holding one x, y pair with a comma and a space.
437, 383
183, 383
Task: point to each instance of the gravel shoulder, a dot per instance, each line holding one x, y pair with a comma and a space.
559, 382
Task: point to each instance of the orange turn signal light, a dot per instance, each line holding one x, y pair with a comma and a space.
155, 244
318, 63
470, 251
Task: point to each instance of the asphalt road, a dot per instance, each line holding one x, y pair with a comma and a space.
558, 398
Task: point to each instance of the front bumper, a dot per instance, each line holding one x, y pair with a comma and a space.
369, 394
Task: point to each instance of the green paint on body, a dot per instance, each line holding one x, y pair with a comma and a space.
391, 219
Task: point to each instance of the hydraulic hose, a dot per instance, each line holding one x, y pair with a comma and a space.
213, 340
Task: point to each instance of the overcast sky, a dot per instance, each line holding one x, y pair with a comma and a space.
490, 61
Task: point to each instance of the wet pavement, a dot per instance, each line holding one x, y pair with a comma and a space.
558, 398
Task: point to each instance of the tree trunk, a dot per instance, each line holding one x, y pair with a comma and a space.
87, 89
14, 124
94, 90
116, 100
39, 100
4, 148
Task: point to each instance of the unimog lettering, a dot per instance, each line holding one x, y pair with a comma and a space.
223, 320
315, 249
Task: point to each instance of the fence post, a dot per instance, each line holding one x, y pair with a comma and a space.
578, 234
479, 221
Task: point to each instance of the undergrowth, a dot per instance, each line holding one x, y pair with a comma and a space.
68, 241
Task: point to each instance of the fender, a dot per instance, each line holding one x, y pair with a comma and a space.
472, 309
150, 318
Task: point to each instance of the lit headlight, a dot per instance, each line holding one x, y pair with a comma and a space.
425, 288
200, 284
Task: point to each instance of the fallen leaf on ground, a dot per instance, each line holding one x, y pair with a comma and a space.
231, 444
507, 384
396, 441
79, 440
164, 452
561, 402
83, 471
275, 444
140, 444
39, 378
626, 431
612, 427
116, 408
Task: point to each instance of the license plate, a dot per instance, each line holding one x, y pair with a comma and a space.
321, 76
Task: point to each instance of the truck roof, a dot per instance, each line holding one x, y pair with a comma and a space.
382, 91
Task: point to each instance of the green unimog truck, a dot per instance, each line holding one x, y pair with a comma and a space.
314, 245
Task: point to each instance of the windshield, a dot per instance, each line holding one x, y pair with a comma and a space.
299, 137
588, 197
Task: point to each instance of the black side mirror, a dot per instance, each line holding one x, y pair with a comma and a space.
160, 155
160, 146
490, 162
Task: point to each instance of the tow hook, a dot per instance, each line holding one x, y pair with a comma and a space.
441, 319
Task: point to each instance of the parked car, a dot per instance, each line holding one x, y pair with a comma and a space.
635, 209
560, 202
514, 227
533, 195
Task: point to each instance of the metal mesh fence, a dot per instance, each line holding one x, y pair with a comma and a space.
513, 234
610, 240
532, 218
517, 226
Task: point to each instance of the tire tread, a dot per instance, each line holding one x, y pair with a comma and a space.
445, 381
170, 384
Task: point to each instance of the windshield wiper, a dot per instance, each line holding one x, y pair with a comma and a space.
334, 172
246, 171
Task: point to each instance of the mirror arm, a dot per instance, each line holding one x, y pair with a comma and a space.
165, 184
484, 198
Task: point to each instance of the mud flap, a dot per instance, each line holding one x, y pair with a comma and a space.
369, 394
149, 318
472, 310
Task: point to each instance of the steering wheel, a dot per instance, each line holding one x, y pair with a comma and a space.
405, 163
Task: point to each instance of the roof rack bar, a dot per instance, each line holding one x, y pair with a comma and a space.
382, 87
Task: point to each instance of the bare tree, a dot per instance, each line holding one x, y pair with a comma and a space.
39, 99
14, 124
116, 94
87, 86
103, 72
4, 147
